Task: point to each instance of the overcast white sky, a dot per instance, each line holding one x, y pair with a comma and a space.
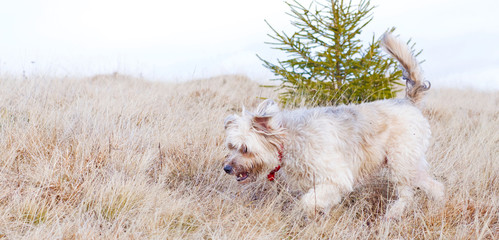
178, 40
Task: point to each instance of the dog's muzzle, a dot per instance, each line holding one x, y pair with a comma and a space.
240, 176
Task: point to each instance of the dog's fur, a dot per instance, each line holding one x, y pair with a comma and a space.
336, 147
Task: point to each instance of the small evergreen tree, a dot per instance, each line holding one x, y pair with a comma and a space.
327, 63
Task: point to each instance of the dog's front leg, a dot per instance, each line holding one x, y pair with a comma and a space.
321, 198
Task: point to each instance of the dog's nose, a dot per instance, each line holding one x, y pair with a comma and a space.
228, 168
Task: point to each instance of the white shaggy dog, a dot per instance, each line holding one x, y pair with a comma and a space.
336, 147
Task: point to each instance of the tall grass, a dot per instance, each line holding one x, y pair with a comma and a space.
117, 157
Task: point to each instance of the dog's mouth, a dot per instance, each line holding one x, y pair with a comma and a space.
242, 176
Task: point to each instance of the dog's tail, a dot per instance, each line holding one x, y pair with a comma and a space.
411, 70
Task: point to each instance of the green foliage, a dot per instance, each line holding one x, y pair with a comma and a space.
327, 63
34, 212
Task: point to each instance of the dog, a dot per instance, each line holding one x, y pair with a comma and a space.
326, 151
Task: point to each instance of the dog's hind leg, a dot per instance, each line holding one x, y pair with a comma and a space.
404, 170
410, 179
409, 171
405, 196
430, 186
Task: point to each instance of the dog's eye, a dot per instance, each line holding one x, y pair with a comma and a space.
244, 149
230, 146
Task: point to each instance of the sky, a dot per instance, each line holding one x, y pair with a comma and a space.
166, 40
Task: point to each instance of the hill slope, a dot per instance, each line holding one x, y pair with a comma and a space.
117, 157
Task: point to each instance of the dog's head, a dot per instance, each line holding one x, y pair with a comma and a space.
253, 141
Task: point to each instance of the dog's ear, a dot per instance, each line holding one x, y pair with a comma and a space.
264, 114
262, 123
229, 121
267, 107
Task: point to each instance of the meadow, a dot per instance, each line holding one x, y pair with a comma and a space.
117, 157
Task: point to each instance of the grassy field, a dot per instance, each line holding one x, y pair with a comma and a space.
116, 157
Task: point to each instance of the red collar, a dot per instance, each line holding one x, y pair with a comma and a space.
271, 175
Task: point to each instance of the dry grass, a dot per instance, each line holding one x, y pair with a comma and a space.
116, 157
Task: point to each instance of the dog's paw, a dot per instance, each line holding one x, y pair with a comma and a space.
395, 211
